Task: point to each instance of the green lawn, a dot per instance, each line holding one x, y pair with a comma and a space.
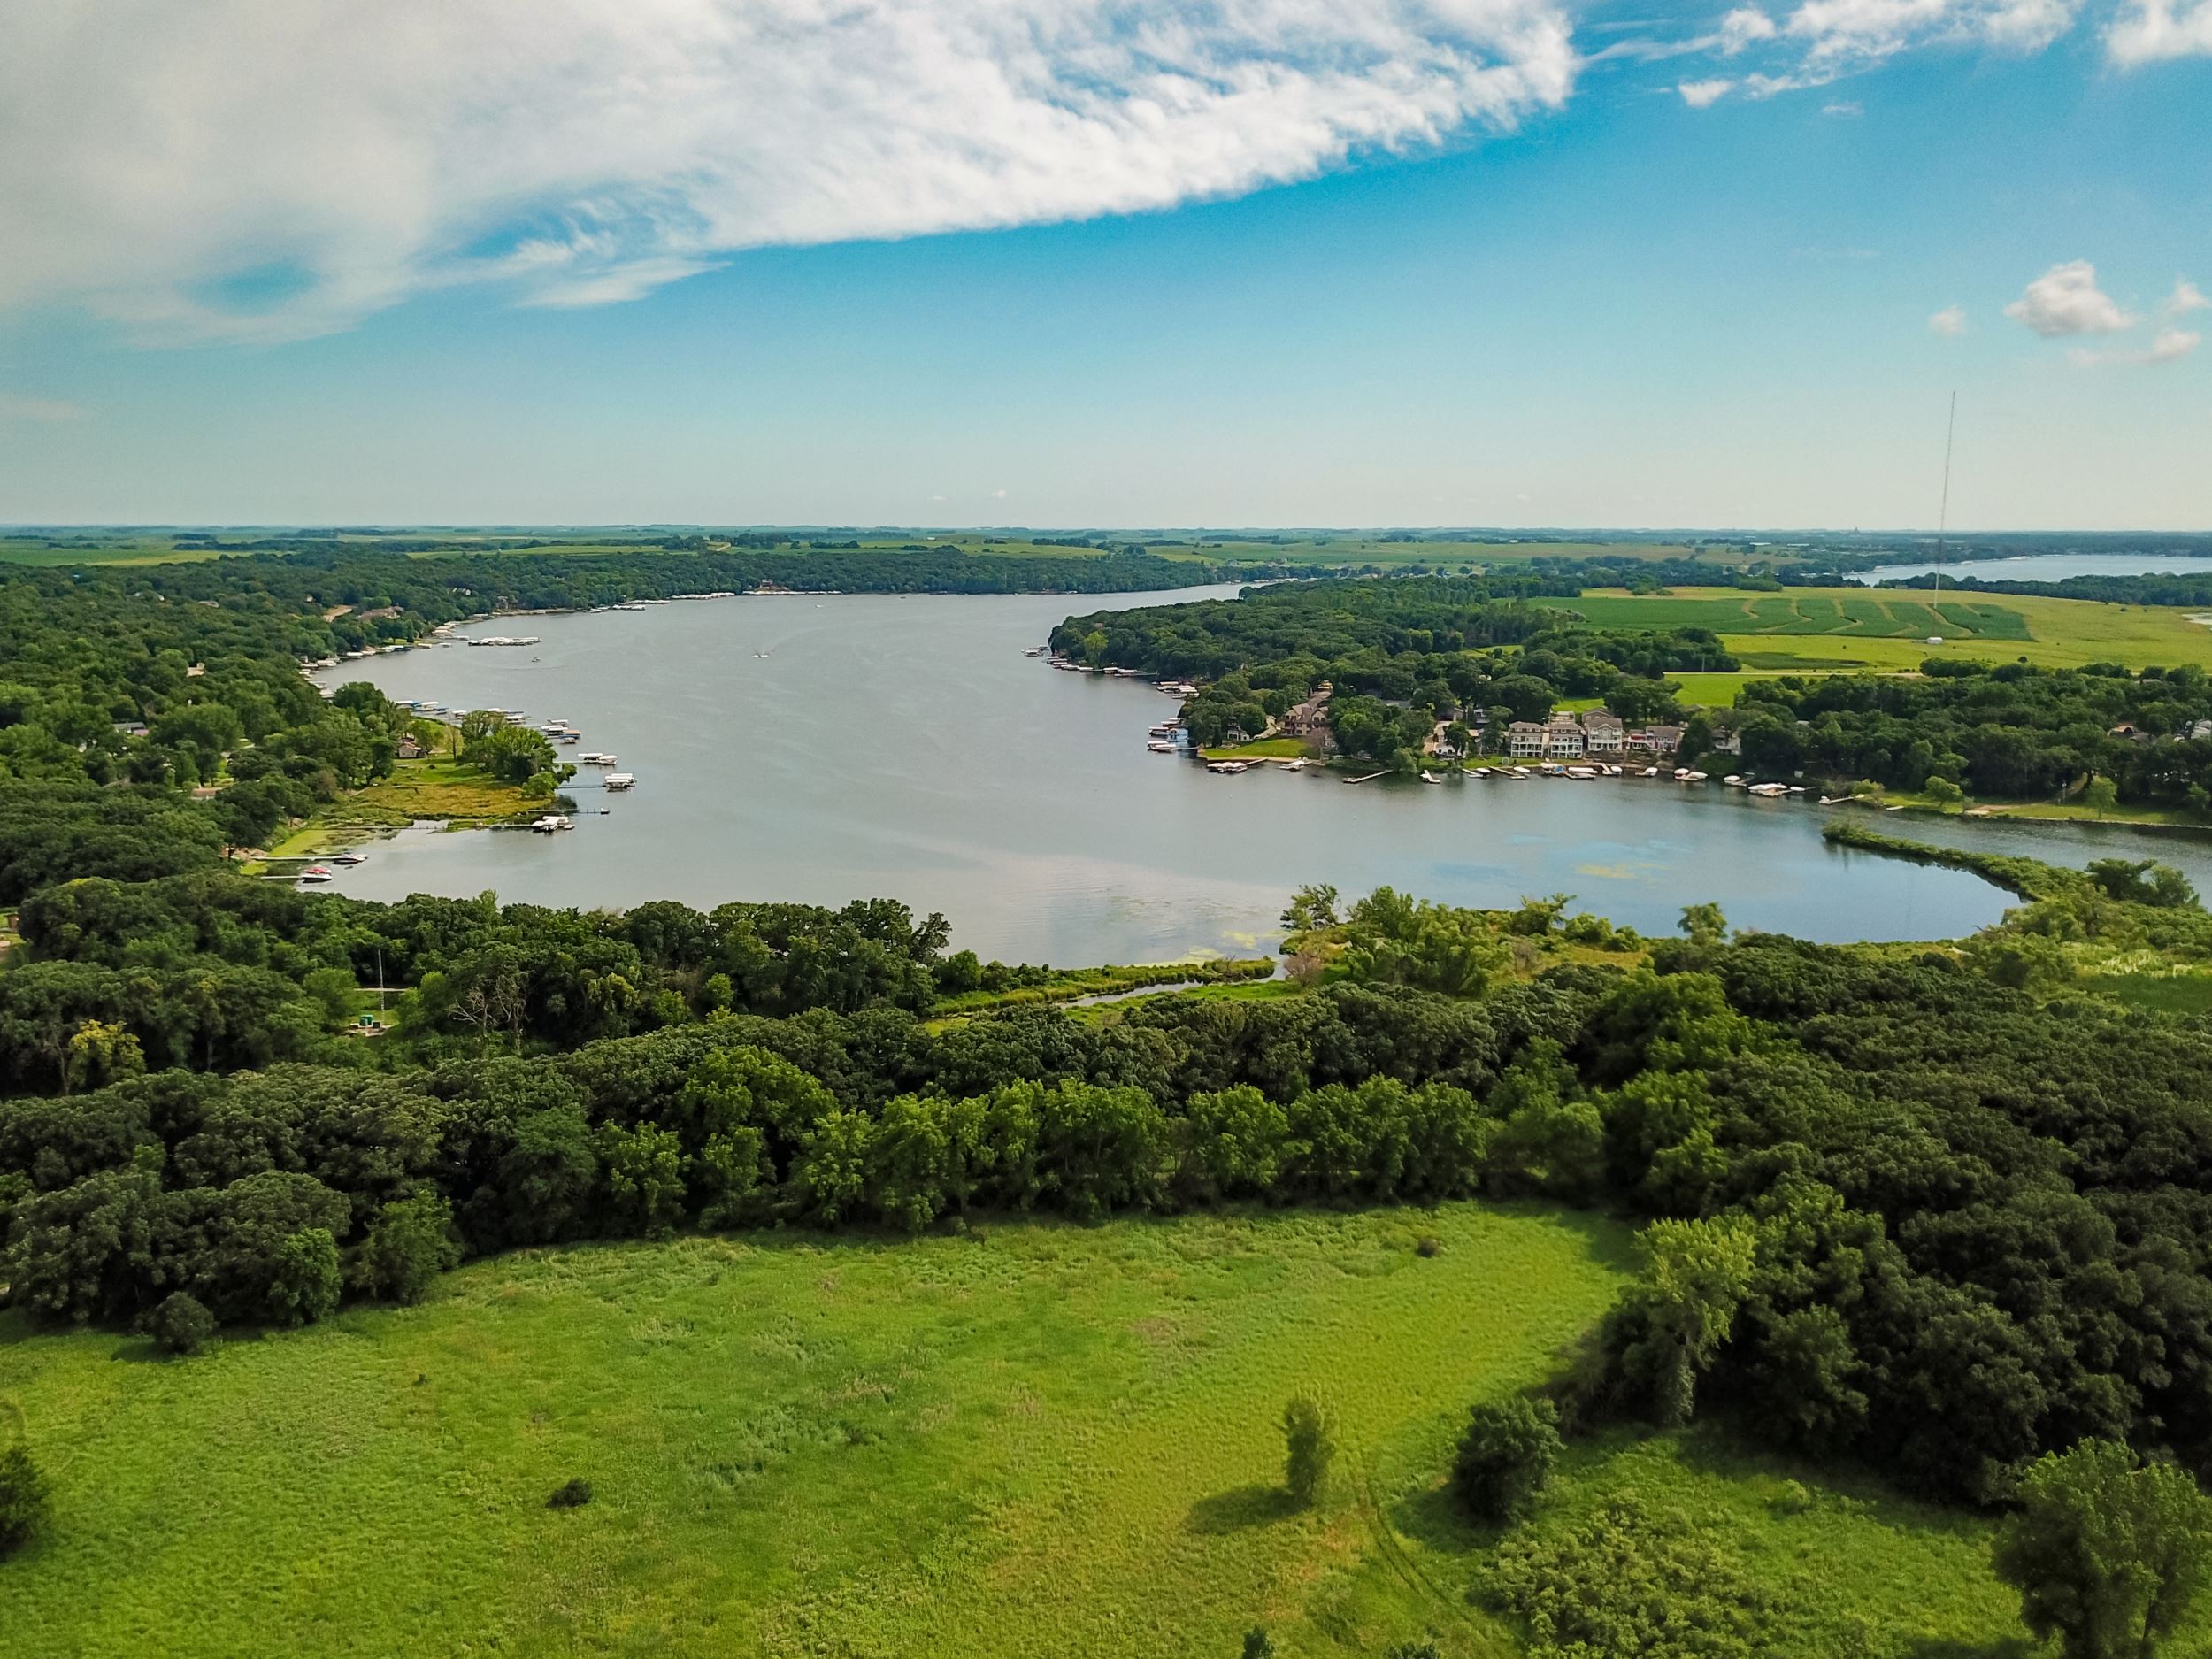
1035, 1439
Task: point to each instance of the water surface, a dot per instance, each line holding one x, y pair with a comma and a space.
2047, 567
822, 749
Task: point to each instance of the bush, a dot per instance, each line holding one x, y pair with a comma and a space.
1258, 1644
23, 1498
572, 1495
1310, 1446
182, 1324
1506, 1458
1428, 1245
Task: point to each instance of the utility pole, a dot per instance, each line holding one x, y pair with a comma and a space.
1943, 512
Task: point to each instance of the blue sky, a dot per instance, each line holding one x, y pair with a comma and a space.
1482, 262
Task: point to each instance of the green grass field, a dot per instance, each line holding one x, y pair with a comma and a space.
1828, 630
1035, 1439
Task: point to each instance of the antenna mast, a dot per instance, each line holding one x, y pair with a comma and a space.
1943, 512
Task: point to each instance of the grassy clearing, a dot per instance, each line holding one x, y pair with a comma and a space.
958, 1447
427, 789
1262, 748
1860, 1570
2167, 993
1068, 984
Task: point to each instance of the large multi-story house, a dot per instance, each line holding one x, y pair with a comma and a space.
1524, 740
1603, 733
1658, 739
1563, 737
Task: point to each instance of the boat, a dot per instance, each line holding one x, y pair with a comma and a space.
1582, 774
1768, 790
1430, 776
1229, 768
1161, 746
1300, 765
551, 822
1517, 773
1649, 771
314, 873
620, 780
595, 757
349, 858
1035, 650
1735, 781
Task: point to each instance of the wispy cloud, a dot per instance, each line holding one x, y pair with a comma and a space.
2170, 346
2186, 297
584, 151
2066, 300
1700, 95
1950, 322
1844, 108
15, 406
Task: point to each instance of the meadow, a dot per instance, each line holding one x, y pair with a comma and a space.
1032, 1439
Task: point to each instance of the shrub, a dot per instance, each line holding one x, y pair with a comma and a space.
1428, 1245
1258, 1644
182, 1324
571, 1495
305, 1285
23, 1498
1506, 1458
1309, 1441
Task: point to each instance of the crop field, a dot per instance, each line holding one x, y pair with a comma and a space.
1032, 1441
1824, 630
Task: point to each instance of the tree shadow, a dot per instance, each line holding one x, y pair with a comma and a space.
1234, 1510
1951, 1648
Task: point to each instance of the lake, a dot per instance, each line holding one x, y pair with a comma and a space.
2048, 567
850, 746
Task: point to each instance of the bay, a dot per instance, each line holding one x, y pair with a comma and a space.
820, 750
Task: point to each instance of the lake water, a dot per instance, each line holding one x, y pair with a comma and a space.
2047, 567
903, 746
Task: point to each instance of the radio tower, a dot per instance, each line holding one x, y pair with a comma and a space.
1943, 512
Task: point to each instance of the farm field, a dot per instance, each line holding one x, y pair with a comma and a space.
1033, 1440
1818, 630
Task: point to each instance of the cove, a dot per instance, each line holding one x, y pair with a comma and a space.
820, 749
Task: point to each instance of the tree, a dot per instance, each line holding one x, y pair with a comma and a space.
182, 1324
1312, 907
101, 1052
2107, 1556
23, 1498
1703, 923
1506, 1458
1258, 1644
1698, 1273
2101, 795
306, 1284
1942, 791
1309, 1447
410, 1243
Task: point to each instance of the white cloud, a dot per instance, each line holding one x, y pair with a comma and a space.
1844, 108
2150, 31
14, 406
2186, 297
1742, 26
998, 494
2170, 346
2065, 300
1950, 322
1700, 95
268, 168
